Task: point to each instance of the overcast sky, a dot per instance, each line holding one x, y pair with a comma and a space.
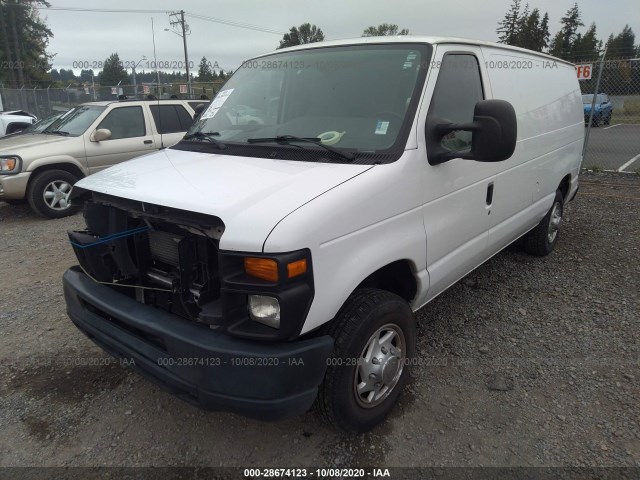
91, 36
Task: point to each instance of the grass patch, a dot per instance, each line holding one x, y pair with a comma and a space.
629, 115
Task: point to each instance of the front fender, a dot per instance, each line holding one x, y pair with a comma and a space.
56, 160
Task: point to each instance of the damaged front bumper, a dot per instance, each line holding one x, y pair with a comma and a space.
265, 380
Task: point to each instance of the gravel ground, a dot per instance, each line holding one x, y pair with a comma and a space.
526, 362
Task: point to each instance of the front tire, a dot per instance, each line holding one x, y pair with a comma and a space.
542, 240
48, 194
375, 339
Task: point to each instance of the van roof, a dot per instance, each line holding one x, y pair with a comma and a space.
417, 39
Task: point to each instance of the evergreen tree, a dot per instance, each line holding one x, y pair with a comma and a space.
24, 38
508, 28
529, 25
113, 71
562, 44
585, 47
542, 40
205, 74
623, 44
384, 29
305, 33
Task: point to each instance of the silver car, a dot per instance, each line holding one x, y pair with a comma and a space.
42, 167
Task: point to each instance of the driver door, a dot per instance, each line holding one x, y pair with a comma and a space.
130, 137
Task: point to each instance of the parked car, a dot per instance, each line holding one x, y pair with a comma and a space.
602, 112
258, 268
40, 125
43, 166
15, 121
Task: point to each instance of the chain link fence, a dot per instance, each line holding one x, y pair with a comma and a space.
611, 104
43, 102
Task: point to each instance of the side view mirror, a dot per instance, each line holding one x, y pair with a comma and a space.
100, 135
494, 134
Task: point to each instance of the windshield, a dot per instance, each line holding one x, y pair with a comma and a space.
40, 125
76, 121
353, 98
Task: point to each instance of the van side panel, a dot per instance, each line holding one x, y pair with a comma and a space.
546, 97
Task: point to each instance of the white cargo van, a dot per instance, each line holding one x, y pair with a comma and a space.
270, 261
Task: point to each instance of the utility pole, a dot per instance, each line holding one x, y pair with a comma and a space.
185, 31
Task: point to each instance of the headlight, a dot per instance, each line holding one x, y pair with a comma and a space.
10, 164
265, 310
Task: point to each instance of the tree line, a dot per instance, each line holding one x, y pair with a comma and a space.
113, 72
308, 33
522, 27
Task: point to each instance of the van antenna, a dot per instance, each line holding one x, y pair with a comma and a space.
155, 62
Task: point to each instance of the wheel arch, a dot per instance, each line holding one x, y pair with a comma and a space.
564, 187
67, 166
396, 277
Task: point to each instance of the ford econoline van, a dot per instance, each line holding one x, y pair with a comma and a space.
274, 257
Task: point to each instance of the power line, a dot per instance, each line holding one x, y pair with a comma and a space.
222, 21
235, 24
100, 10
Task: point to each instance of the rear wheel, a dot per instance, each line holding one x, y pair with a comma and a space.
48, 194
375, 338
542, 240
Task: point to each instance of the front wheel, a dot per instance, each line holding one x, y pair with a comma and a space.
375, 340
48, 194
542, 240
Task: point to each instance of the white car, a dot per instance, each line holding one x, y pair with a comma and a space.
15, 121
259, 268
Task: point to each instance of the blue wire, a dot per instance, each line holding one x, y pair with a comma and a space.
110, 238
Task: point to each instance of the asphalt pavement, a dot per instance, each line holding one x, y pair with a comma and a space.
614, 147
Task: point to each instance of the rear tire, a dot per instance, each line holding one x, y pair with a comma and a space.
375, 338
542, 240
607, 120
48, 194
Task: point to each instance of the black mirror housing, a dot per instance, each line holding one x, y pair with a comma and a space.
494, 134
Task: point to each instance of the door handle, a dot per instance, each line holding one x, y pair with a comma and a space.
490, 194
148, 142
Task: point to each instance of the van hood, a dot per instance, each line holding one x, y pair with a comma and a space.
250, 195
21, 144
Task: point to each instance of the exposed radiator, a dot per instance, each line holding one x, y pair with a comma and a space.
164, 247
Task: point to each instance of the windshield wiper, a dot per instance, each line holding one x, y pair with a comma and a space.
285, 139
57, 132
206, 136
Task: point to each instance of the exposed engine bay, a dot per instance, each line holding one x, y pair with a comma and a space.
160, 256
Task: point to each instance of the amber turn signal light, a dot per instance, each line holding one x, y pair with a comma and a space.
297, 268
262, 268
